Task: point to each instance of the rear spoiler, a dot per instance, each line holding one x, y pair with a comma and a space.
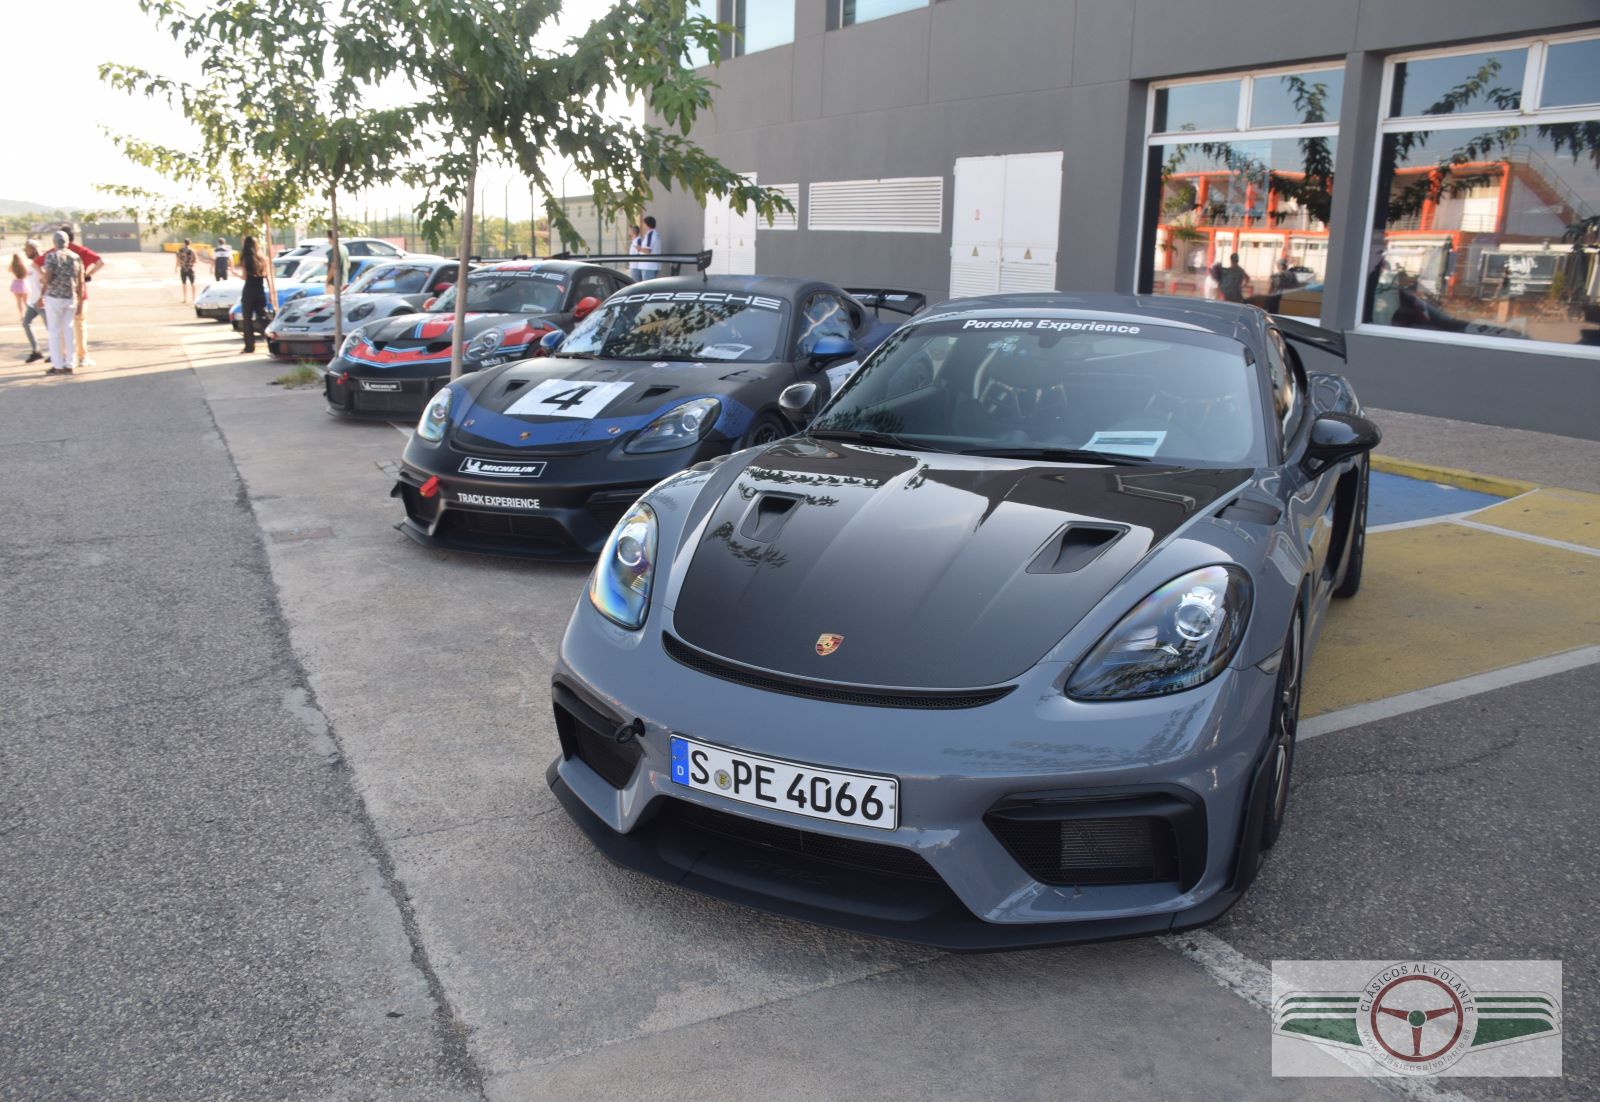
888, 298
1330, 341
700, 260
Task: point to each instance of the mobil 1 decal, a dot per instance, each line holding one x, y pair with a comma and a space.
567, 398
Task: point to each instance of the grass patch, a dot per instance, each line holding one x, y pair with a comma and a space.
304, 373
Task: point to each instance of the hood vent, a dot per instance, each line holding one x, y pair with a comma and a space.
765, 517
514, 384
1074, 547
656, 391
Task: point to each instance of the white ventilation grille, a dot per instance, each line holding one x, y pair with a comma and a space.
911, 204
783, 221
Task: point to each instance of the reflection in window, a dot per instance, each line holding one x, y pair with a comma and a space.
1246, 221
1213, 106
1295, 98
862, 11
1492, 231
1464, 82
762, 24
1572, 74
708, 10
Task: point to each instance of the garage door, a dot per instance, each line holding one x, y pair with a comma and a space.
1006, 224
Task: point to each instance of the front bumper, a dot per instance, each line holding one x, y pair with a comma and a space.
564, 513
215, 313
300, 346
944, 877
377, 399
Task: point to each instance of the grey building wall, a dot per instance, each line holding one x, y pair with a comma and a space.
909, 94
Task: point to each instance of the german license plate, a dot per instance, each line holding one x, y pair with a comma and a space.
839, 797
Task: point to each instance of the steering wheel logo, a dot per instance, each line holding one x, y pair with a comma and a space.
1416, 1022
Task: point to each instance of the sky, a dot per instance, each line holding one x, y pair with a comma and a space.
72, 152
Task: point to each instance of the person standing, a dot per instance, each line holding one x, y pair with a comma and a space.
338, 263
91, 264
649, 245
34, 283
633, 250
185, 269
1284, 279
221, 258
63, 301
19, 285
1233, 280
253, 300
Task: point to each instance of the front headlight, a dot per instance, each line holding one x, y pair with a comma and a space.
350, 344
362, 311
619, 588
435, 416
483, 344
1180, 636
679, 427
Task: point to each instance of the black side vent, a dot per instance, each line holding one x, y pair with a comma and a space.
657, 391
765, 517
1075, 547
1250, 510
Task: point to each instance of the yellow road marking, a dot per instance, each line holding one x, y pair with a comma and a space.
1452, 476
1567, 515
1443, 601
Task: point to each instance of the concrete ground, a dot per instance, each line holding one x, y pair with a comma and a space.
272, 774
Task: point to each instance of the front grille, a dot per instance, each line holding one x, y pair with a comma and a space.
1105, 836
822, 690
1091, 851
394, 401
852, 853
614, 761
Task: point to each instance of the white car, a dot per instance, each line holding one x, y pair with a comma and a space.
355, 246
217, 300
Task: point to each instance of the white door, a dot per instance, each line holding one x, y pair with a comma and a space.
730, 236
1006, 224
975, 226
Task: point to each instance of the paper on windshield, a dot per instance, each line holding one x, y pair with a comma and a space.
1136, 442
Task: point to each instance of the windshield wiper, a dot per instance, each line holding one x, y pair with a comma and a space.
1061, 455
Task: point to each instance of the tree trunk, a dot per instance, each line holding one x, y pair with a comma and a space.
456, 330
338, 272
266, 251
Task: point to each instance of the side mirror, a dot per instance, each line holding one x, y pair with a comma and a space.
428, 305
832, 348
1336, 436
797, 401
552, 341
585, 307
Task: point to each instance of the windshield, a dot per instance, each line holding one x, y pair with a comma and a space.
682, 325
1029, 386
393, 279
522, 291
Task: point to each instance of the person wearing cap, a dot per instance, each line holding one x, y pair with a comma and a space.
62, 273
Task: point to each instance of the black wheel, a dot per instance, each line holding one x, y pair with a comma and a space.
765, 429
1351, 585
1285, 723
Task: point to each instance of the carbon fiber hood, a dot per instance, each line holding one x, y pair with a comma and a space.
937, 571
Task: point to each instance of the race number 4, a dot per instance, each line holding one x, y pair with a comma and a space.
567, 398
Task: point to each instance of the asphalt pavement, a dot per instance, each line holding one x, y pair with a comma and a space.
270, 774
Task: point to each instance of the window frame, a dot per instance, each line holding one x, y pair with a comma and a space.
842, 24
1537, 46
1145, 240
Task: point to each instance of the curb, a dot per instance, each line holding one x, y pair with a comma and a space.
1452, 476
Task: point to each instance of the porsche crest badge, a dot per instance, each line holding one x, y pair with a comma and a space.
827, 643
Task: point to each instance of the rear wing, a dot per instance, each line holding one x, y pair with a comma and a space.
700, 260
1330, 341
888, 298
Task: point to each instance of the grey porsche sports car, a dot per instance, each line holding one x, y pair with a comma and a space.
1003, 649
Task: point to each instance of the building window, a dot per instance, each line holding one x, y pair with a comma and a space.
1245, 165
706, 9
761, 25
864, 11
1486, 219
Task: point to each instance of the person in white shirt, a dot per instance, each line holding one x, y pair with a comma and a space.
633, 250
649, 245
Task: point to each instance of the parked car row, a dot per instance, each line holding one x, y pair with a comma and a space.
979, 626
